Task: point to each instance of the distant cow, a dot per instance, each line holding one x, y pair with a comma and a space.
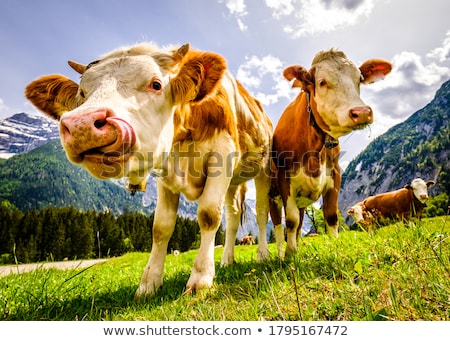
401, 204
180, 114
246, 240
305, 143
362, 216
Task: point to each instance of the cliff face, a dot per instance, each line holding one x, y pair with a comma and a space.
417, 147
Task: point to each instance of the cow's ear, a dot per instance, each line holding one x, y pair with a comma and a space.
374, 70
169, 61
408, 186
430, 183
302, 77
53, 95
200, 74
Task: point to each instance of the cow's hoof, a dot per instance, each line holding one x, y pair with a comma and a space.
263, 255
145, 291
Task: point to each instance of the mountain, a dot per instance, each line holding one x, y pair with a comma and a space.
22, 132
417, 147
44, 177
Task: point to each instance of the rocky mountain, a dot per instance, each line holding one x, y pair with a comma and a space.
22, 132
35, 174
417, 147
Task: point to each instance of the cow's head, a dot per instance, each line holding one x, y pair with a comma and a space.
361, 215
333, 82
118, 122
420, 188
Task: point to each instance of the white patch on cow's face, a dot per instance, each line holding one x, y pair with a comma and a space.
420, 189
337, 89
357, 213
135, 95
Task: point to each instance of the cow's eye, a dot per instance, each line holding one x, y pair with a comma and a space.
155, 86
81, 92
322, 82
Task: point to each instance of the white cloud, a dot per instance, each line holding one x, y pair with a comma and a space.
313, 16
266, 72
238, 9
411, 85
2, 105
280, 7
441, 53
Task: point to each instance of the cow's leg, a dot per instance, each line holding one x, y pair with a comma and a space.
262, 185
234, 200
210, 205
292, 224
330, 211
275, 214
301, 217
163, 226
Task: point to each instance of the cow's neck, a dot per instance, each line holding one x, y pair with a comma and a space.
417, 203
314, 119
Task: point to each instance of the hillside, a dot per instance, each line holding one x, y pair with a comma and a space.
417, 147
44, 177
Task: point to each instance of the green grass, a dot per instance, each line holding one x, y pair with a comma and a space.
399, 273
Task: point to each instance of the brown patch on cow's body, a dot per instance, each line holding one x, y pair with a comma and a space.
399, 204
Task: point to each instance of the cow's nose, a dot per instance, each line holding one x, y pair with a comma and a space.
361, 115
87, 130
83, 123
423, 196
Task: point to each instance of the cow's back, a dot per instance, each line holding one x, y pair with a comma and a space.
392, 204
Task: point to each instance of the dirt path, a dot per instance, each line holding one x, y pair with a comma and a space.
6, 270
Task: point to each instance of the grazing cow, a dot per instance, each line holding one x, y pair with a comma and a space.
246, 240
305, 143
180, 114
362, 216
401, 204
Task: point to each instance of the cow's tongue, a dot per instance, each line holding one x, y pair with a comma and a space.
126, 137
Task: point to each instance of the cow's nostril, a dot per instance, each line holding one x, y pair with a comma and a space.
99, 123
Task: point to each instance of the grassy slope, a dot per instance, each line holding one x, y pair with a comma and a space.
400, 273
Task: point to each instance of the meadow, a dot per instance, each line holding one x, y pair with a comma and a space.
401, 272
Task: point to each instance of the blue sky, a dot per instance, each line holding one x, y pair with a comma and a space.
259, 38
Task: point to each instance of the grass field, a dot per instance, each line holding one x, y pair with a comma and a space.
399, 273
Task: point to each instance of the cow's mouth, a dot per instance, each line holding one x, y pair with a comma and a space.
361, 126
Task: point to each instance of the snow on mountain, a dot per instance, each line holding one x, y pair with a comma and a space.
23, 132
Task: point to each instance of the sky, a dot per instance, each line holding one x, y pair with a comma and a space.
258, 38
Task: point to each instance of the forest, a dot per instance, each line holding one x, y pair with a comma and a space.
59, 233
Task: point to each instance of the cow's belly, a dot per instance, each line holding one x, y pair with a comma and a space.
190, 163
306, 189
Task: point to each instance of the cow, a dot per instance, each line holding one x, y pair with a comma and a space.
179, 114
306, 149
402, 204
247, 240
362, 216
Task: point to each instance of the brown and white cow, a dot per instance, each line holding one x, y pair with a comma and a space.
362, 216
401, 204
247, 240
305, 143
180, 114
